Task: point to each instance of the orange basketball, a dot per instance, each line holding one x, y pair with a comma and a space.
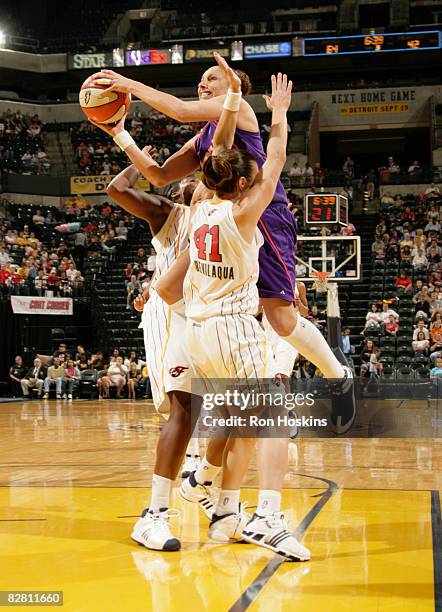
103, 109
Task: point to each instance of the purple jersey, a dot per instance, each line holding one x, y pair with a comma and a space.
277, 224
247, 141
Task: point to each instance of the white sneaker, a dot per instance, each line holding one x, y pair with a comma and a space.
191, 464
228, 528
58, 395
205, 495
272, 532
152, 531
65, 396
70, 396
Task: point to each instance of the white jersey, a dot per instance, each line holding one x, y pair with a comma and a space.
168, 362
171, 240
223, 270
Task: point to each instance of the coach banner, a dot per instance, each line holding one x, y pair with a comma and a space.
98, 183
42, 305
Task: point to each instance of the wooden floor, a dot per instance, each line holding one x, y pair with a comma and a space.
74, 477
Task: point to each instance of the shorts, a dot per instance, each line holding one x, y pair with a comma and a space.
277, 262
168, 361
233, 347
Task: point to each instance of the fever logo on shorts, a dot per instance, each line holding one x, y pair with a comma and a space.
177, 371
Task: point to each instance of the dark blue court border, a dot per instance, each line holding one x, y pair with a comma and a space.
252, 591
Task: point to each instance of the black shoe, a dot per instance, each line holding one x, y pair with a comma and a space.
343, 403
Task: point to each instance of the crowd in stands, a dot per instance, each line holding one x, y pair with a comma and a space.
96, 153
21, 144
44, 249
390, 173
67, 371
407, 254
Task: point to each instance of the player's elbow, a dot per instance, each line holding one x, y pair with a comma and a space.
166, 293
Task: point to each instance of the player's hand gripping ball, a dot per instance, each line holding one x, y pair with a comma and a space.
105, 108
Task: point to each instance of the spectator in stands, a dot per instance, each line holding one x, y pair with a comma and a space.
403, 283
436, 330
422, 301
348, 168
301, 270
377, 245
121, 231
421, 328
421, 345
295, 174
152, 260
61, 350
307, 175
145, 383
375, 364
391, 326
16, 374
34, 377
133, 290
432, 226
5, 258
53, 281
420, 261
82, 362
367, 349
98, 361
54, 377
37, 218
115, 377
133, 380
70, 379
347, 347
373, 320
436, 372
318, 175
414, 170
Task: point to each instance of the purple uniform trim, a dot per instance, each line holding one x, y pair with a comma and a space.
277, 224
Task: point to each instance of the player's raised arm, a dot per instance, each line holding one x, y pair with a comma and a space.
225, 130
180, 164
148, 206
261, 193
181, 110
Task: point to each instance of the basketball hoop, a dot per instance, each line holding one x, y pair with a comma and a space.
321, 281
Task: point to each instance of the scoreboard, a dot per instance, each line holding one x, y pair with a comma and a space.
326, 209
372, 43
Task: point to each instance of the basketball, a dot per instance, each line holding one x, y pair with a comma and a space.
103, 109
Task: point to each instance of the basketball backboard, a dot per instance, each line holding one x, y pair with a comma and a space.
340, 256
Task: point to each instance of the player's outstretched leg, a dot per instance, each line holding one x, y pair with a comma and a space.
308, 340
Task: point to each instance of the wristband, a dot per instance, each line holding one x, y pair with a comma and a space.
232, 101
124, 140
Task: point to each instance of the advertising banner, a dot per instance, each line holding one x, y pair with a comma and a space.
42, 305
97, 184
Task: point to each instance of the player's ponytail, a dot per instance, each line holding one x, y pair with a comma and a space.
221, 172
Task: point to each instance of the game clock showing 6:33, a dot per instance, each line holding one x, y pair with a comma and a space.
326, 209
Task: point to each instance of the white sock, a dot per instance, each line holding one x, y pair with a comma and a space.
269, 501
206, 472
308, 340
160, 493
193, 448
228, 502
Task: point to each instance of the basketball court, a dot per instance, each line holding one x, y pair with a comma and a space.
75, 477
